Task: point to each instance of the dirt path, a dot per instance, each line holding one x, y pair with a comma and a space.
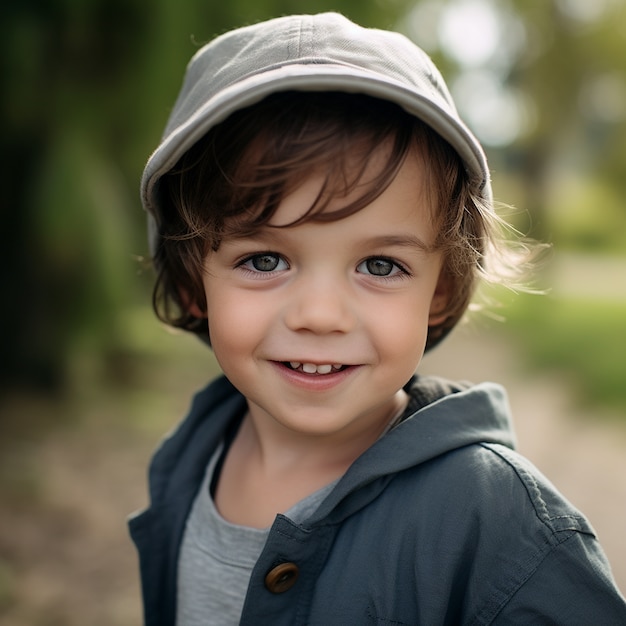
66, 559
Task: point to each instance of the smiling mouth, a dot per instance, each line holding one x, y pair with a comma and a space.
312, 368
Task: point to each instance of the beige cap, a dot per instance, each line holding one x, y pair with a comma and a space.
324, 52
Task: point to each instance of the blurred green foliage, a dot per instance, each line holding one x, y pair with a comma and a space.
588, 214
86, 91
583, 338
87, 87
574, 68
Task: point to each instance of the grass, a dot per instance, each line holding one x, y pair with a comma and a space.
581, 338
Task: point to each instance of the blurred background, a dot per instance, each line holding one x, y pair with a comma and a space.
90, 381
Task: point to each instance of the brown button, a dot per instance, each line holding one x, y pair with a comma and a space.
282, 577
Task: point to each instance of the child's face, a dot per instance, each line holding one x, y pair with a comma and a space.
320, 325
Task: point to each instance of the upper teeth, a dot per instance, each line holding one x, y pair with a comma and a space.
311, 368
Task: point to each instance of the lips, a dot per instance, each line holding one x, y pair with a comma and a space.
315, 377
312, 368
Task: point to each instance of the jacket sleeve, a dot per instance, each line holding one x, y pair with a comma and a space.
572, 586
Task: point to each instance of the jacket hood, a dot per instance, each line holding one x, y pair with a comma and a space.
450, 417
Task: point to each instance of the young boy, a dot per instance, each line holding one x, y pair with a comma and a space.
320, 215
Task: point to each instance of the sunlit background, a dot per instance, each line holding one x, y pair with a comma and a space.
90, 381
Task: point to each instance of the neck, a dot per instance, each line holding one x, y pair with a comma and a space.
269, 467
278, 448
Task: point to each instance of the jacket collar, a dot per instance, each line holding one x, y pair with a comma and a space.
454, 416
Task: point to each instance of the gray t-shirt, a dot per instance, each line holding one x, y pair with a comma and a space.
217, 558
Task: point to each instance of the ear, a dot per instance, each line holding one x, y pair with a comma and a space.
190, 305
440, 300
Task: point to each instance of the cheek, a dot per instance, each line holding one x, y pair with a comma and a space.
224, 317
402, 329
236, 324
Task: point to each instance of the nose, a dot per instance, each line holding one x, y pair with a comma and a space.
320, 305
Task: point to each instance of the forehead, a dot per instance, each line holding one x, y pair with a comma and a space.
404, 207
322, 196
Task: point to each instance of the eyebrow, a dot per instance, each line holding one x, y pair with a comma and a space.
379, 241
403, 241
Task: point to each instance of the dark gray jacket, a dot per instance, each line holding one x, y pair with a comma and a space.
440, 522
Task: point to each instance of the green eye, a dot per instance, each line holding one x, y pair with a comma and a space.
265, 262
378, 266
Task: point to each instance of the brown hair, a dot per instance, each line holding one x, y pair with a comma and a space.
233, 180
